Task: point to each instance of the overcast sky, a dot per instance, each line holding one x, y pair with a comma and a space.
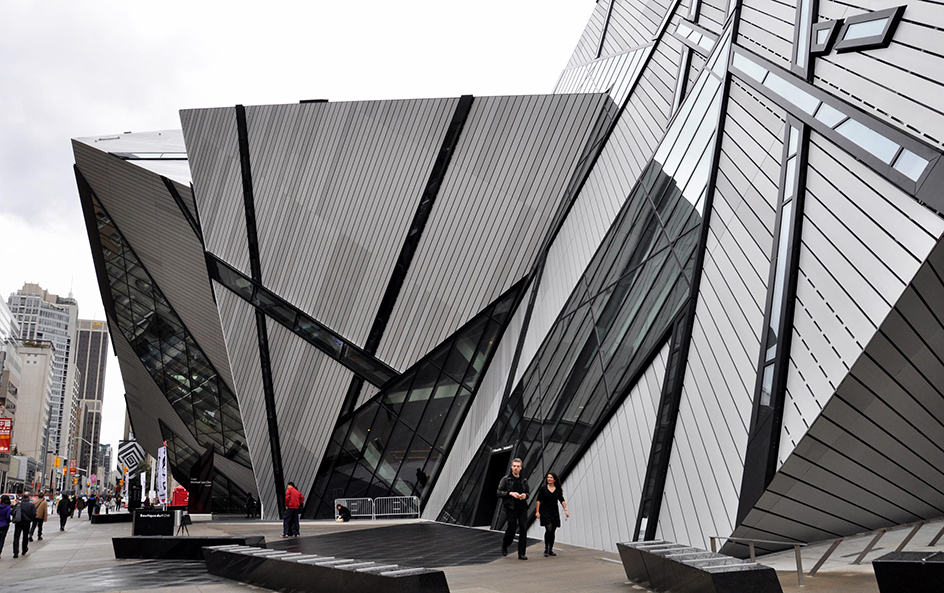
72, 69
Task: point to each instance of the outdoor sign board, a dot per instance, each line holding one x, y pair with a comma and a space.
6, 431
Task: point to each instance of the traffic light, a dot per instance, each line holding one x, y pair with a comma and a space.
75, 481
57, 462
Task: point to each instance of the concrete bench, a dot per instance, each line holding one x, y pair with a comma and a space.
295, 572
667, 566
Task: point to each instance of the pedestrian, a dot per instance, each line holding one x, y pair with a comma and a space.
80, 505
513, 491
42, 513
64, 510
92, 503
344, 514
250, 506
23, 515
6, 512
293, 506
548, 496
73, 502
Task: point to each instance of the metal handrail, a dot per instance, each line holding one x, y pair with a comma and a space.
386, 506
359, 507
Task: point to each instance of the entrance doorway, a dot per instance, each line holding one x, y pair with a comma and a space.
498, 465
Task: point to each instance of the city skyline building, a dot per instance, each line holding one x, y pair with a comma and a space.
34, 401
92, 347
10, 368
704, 273
46, 316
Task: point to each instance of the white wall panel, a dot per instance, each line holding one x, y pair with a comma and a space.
514, 160
336, 186
603, 491
589, 42
900, 84
309, 390
242, 344
863, 242
146, 215
482, 413
213, 151
705, 468
633, 23
767, 29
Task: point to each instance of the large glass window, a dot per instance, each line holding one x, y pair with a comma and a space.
168, 351
395, 444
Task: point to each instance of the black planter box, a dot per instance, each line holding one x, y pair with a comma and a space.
297, 573
112, 518
909, 571
176, 548
666, 566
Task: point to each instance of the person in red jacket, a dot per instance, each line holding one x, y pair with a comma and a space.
294, 500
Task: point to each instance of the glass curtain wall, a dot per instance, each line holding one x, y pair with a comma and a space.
395, 444
178, 366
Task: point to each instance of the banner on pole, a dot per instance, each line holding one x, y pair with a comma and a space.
6, 432
143, 485
94, 479
124, 484
72, 465
161, 478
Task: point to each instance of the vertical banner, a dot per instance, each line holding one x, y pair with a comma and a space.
201, 485
124, 481
161, 479
94, 479
6, 432
72, 466
143, 485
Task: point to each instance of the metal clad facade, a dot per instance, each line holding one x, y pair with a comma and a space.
705, 468
213, 152
336, 186
514, 160
309, 389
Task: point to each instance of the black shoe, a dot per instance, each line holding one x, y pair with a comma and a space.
551, 553
504, 550
62, 529
522, 557
40, 538
15, 556
31, 538
545, 552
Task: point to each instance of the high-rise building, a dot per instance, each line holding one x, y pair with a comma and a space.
10, 368
91, 358
702, 282
49, 317
105, 468
34, 400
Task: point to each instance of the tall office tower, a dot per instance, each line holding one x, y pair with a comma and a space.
105, 469
37, 382
49, 317
91, 358
10, 367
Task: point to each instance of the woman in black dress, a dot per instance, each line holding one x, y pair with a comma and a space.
548, 497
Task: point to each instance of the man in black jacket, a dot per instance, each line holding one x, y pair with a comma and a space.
64, 510
513, 491
23, 517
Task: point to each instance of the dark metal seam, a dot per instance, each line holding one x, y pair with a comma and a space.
263, 337
606, 26
763, 443
184, 210
411, 242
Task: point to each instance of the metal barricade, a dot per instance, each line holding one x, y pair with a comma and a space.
399, 506
359, 507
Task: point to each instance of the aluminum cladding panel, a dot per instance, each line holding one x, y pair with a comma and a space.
336, 186
213, 151
707, 461
504, 185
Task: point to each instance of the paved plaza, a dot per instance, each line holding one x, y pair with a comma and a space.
81, 560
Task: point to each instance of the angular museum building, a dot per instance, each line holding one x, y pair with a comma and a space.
702, 281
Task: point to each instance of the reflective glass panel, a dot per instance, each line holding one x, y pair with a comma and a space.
870, 140
865, 29
910, 165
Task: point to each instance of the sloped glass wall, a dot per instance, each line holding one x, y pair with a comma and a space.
395, 444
